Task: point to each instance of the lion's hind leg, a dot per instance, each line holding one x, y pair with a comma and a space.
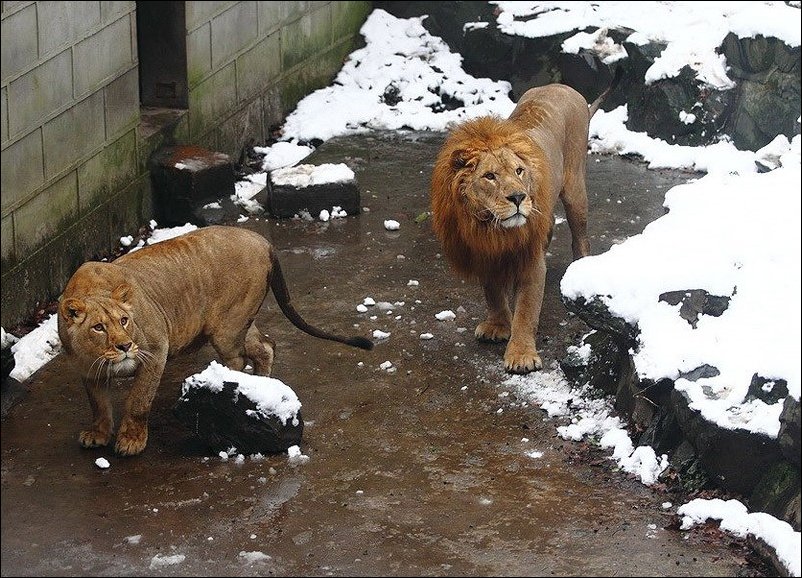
230, 346
575, 200
260, 349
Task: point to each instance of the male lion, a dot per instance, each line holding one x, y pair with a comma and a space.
127, 317
494, 186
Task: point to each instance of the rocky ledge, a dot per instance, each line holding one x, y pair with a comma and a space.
763, 469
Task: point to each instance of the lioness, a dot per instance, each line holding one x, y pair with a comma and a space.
127, 317
494, 186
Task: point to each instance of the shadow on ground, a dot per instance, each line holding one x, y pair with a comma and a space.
411, 473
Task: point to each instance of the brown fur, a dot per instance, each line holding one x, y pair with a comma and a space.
487, 170
126, 318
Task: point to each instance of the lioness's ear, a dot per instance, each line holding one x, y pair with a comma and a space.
122, 293
73, 310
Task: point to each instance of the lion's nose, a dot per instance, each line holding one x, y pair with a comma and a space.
124, 347
517, 198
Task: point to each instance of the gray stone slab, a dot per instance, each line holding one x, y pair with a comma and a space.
286, 201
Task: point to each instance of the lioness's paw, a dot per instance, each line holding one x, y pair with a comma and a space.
522, 362
131, 440
492, 332
94, 438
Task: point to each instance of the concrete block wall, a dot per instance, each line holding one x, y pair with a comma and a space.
249, 63
70, 177
75, 148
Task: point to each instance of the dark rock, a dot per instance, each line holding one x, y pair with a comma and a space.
596, 314
185, 178
6, 360
735, 459
704, 370
12, 390
685, 462
778, 493
789, 436
444, 19
696, 302
285, 201
662, 431
764, 103
392, 95
225, 419
655, 109
769, 391
767, 95
769, 554
601, 367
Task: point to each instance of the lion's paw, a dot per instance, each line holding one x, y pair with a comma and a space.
492, 332
94, 438
524, 361
131, 440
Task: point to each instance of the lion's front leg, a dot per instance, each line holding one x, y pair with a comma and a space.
497, 325
521, 355
132, 436
102, 419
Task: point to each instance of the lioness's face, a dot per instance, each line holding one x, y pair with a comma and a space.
101, 332
498, 189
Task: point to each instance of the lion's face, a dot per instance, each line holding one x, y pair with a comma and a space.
100, 332
497, 189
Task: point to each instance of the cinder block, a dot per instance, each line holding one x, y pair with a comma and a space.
199, 12
122, 103
199, 54
23, 169
286, 199
269, 16
233, 31
305, 37
185, 178
258, 67
108, 172
49, 213
212, 100
102, 55
40, 92
112, 9
7, 240
63, 23
19, 47
4, 113
73, 134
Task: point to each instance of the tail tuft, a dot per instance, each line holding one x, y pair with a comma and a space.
360, 342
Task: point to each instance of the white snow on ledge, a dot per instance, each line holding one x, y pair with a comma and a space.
691, 31
730, 235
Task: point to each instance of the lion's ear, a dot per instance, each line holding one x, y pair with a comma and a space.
460, 159
123, 293
73, 310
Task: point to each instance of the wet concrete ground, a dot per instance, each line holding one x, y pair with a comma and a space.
409, 473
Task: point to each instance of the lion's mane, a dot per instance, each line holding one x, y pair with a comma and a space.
475, 248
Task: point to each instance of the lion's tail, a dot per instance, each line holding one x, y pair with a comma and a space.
613, 84
279, 286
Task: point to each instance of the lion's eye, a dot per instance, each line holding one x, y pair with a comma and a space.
490, 176
123, 321
99, 327
519, 171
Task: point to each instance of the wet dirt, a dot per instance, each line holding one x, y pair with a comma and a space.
412, 472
